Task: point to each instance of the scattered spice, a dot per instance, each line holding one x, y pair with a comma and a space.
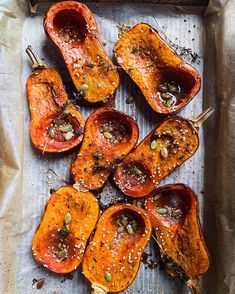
122, 29
97, 155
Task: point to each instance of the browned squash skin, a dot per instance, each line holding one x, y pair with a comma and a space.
73, 29
84, 209
119, 254
91, 171
150, 61
177, 136
47, 101
180, 239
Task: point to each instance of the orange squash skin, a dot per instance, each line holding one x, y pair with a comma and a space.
149, 61
92, 172
84, 209
117, 253
83, 51
47, 100
180, 239
177, 136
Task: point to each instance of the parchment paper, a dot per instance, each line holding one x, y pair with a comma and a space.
27, 174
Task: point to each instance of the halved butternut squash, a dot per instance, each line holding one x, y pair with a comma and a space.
173, 211
109, 136
168, 83
60, 240
112, 259
171, 143
56, 124
73, 29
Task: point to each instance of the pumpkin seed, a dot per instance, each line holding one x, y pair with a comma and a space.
68, 136
139, 203
124, 221
120, 229
166, 95
134, 225
66, 37
130, 100
65, 111
130, 229
181, 156
67, 218
51, 132
177, 213
66, 128
169, 102
162, 88
172, 88
61, 254
164, 152
107, 128
135, 170
107, 135
108, 276
162, 210
64, 231
155, 198
83, 88
97, 155
60, 246
153, 145
104, 42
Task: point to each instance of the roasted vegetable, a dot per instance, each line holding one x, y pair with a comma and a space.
112, 259
56, 125
173, 211
109, 136
167, 82
166, 147
60, 240
73, 29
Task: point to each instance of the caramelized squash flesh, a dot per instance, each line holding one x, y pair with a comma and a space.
109, 136
73, 29
113, 257
60, 240
166, 147
166, 81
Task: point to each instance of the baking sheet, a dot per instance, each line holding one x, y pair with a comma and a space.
27, 175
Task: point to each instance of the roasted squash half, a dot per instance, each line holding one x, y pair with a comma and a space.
171, 143
109, 136
173, 211
168, 83
56, 124
60, 240
73, 29
112, 259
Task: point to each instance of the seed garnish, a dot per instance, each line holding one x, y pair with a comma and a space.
162, 210
69, 136
164, 152
135, 170
97, 155
83, 88
67, 218
107, 135
159, 195
108, 276
130, 229
153, 145
61, 255
51, 132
